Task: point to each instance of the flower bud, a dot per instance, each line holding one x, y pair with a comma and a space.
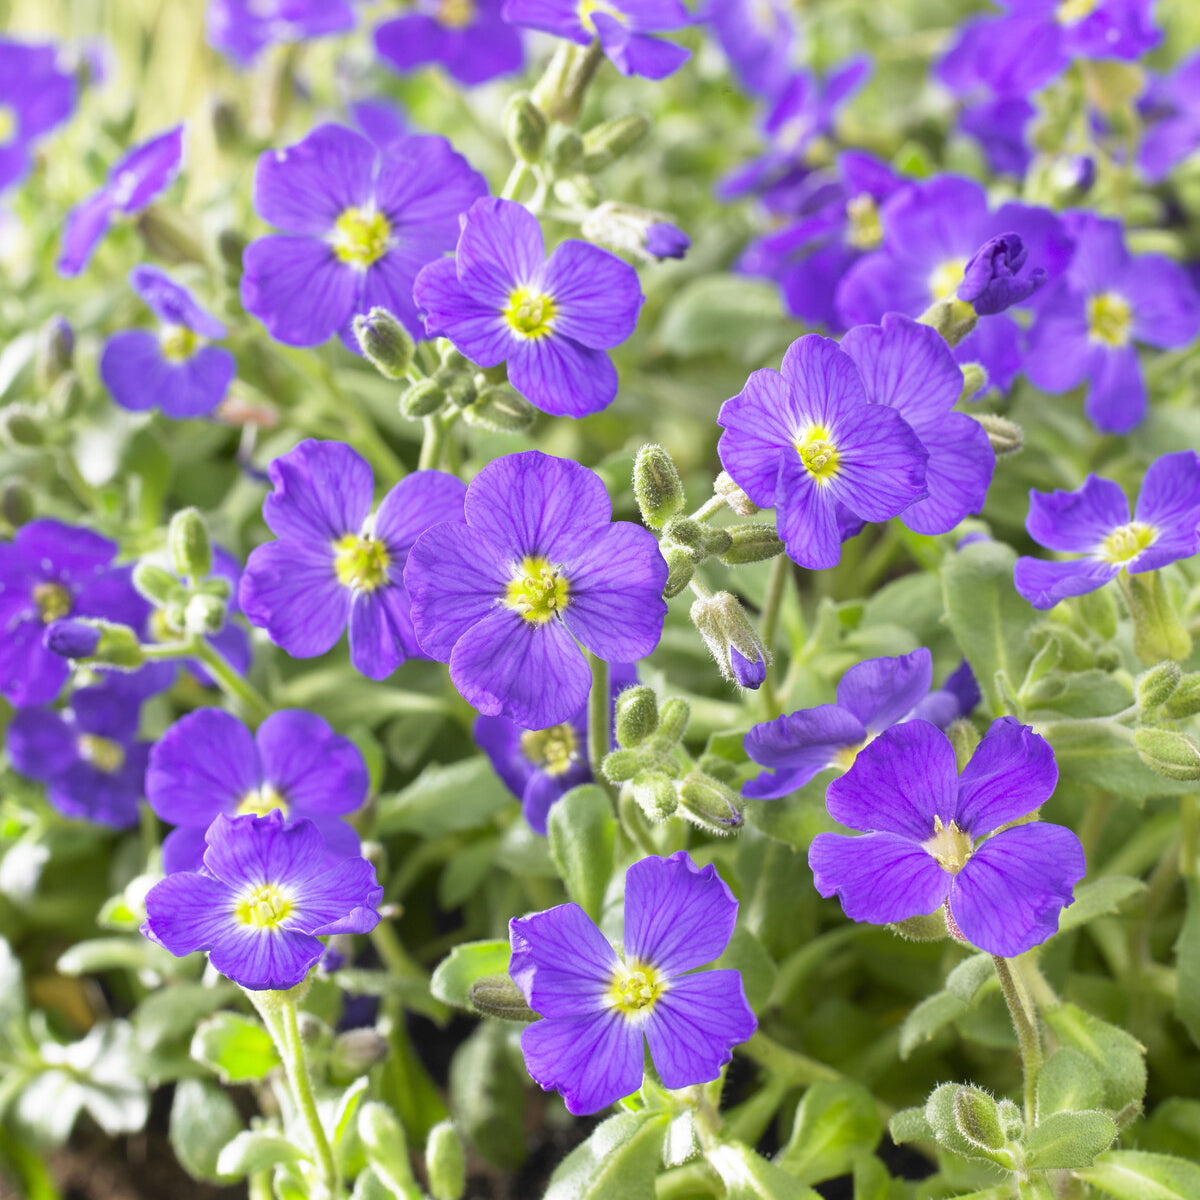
19, 426
204, 614
226, 124
497, 996
423, 399
16, 503
1186, 700
187, 540
385, 343
1167, 753
500, 408
109, 645
564, 150
752, 543
1006, 437
657, 486
664, 240
72, 638
680, 569
637, 716
927, 928
618, 766
55, 352
656, 795
445, 1162
964, 737
525, 128
576, 191
605, 143
231, 245
630, 229
734, 496
1157, 685
673, 716
952, 318
169, 235
978, 1119
732, 640
65, 397
696, 538
975, 379
1158, 633
559, 93
157, 585
355, 1052
709, 803
459, 388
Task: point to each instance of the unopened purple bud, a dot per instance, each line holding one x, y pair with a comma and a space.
666, 241
991, 281
72, 639
748, 674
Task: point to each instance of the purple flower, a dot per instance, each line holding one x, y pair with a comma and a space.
871, 697
133, 182
264, 896
1093, 521
809, 444
382, 121
535, 564
468, 37
360, 222
36, 94
175, 369
664, 240
209, 763
923, 824
999, 126
803, 111
241, 29
1036, 40
50, 571
336, 564
991, 279
539, 766
759, 37
1170, 111
1088, 328
621, 26
500, 299
86, 754
71, 638
747, 673
599, 1007
808, 257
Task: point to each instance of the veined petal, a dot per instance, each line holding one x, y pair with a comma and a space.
293, 592
342, 899
1117, 399
1170, 502
1011, 773
561, 961
958, 473
315, 770
418, 501
562, 377
593, 1061
881, 462
760, 423
263, 959
1044, 584
695, 1024
322, 491
477, 328
1077, 522
806, 516
882, 691
298, 288
596, 295
187, 911
808, 739
825, 381
500, 249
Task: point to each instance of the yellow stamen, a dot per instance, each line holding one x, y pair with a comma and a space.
537, 590
53, 601
264, 907
103, 753
1071, 12
950, 845
944, 281
586, 8
554, 750
1127, 542
818, 453
456, 14
634, 989
866, 230
178, 343
9, 124
361, 237
261, 801
529, 313
1109, 319
361, 562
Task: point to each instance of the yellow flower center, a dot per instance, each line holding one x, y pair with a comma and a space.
456, 14
635, 987
1069, 12
529, 313
845, 757
553, 749
950, 845
538, 591
53, 601
865, 231
818, 454
178, 343
944, 281
9, 124
360, 237
361, 562
1109, 319
1127, 542
265, 907
261, 801
103, 753
586, 8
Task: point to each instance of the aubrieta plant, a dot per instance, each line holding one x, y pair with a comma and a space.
599, 601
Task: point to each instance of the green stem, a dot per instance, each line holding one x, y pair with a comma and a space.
433, 443
599, 722
516, 177
294, 1062
708, 508
1189, 836
231, 683
392, 953
776, 585
630, 817
1024, 1021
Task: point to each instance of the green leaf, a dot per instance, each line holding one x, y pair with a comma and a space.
1097, 754
347, 1109
471, 961
1099, 898
238, 1048
444, 799
173, 1012
933, 1014
583, 833
204, 1120
724, 315
1136, 1175
1187, 961
1065, 1140
745, 953
909, 1125
620, 1158
1069, 1081
990, 622
836, 1122
748, 1176
118, 953
1119, 1056
1173, 1128
972, 974
487, 1096
942, 1117
256, 1150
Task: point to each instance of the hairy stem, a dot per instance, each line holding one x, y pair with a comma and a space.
1024, 1020
776, 586
599, 722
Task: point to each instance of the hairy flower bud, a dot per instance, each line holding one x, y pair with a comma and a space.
752, 543
637, 716
1185, 702
564, 150
423, 399
673, 716
354, 1053
16, 503
978, 1119
187, 540
1167, 753
709, 803
1157, 685
204, 614
559, 93
65, 397
1158, 633
952, 318
72, 638
94, 641
656, 795
622, 765
605, 143
20, 426
732, 640
169, 235
680, 569
630, 229
928, 928
497, 996
525, 128
158, 585
733, 495
657, 486
385, 343
445, 1162
55, 352
501, 408
1006, 437
975, 379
